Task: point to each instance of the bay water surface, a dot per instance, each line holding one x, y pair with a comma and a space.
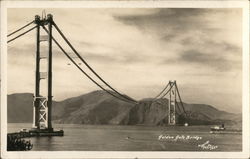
133, 138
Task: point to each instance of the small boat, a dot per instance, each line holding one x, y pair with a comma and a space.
217, 128
23, 130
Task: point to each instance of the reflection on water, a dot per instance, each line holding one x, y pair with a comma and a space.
131, 138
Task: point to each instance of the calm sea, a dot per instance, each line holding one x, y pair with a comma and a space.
133, 138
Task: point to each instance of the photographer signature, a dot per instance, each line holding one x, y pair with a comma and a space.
208, 146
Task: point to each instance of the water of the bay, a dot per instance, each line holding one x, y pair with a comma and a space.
133, 138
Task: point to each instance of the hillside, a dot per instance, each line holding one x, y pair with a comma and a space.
98, 107
19, 108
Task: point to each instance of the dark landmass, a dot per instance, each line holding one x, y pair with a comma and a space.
98, 107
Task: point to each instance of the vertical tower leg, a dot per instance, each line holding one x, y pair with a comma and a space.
50, 20
37, 78
172, 104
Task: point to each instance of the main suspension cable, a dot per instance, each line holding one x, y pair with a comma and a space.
167, 92
177, 105
20, 28
21, 34
180, 98
162, 91
92, 70
82, 69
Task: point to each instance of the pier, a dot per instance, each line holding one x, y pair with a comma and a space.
16, 141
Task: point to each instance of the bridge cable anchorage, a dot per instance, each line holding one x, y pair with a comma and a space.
180, 99
21, 34
20, 28
91, 69
84, 71
162, 91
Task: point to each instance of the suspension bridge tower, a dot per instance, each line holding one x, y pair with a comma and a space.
172, 115
172, 103
42, 104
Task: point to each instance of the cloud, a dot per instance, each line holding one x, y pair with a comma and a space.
221, 56
198, 35
90, 56
180, 19
217, 62
127, 58
210, 44
167, 21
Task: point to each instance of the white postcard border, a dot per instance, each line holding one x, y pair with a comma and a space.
126, 4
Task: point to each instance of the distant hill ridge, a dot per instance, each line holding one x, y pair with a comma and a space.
98, 107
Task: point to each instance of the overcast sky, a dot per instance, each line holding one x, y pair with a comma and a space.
138, 51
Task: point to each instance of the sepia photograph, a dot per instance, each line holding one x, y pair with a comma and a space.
136, 80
